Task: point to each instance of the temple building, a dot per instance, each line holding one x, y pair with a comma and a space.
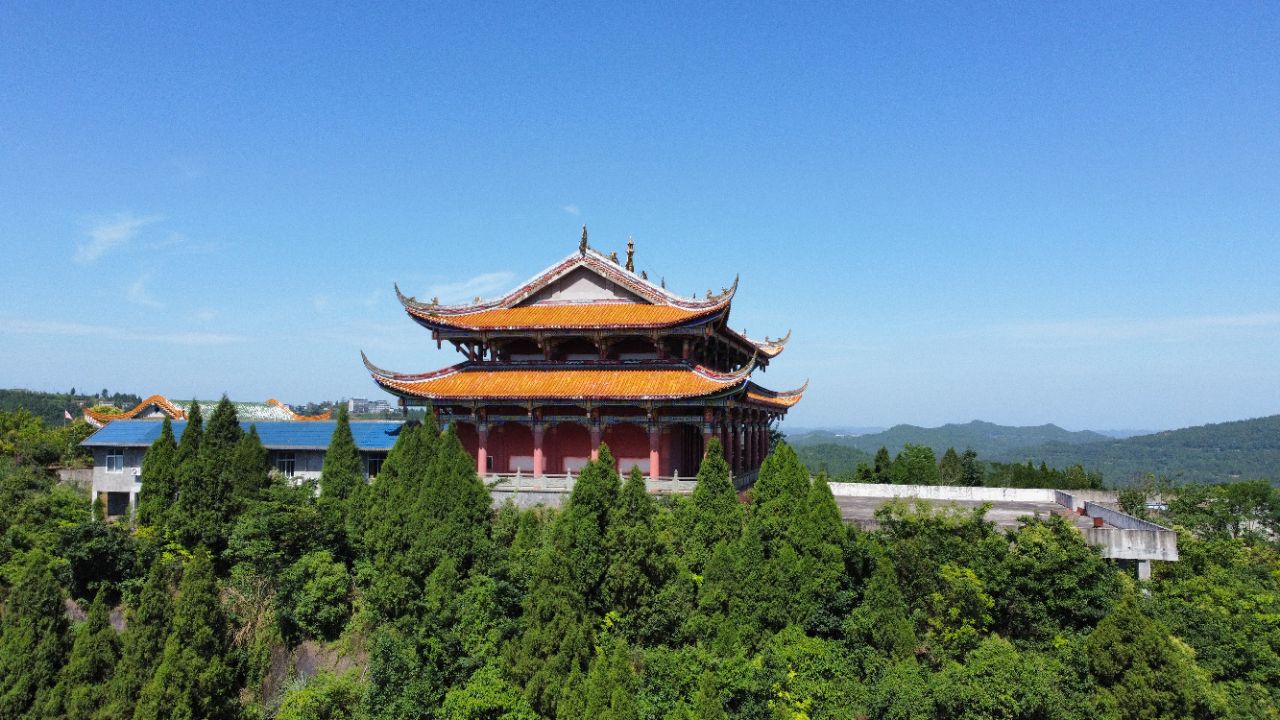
591, 351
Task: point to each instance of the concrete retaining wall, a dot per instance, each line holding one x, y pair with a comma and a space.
1134, 544
953, 493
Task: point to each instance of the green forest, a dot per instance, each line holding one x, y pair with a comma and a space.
1221, 452
236, 594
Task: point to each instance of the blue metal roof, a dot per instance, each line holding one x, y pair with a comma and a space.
276, 435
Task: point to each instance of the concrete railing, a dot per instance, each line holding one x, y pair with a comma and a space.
1121, 520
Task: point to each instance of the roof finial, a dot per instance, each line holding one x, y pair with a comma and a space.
631, 254
614, 257
582, 246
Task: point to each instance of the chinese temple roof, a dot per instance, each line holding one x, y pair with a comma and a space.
570, 316
773, 398
156, 405
559, 381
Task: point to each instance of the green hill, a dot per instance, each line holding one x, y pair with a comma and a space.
988, 439
50, 406
833, 458
1243, 449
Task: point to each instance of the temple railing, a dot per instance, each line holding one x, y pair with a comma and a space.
563, 482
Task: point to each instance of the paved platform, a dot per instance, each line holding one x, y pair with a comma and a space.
861, 510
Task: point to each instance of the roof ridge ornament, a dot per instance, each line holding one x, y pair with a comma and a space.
582, 246
631, 254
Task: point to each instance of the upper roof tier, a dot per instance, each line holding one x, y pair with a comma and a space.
586, 290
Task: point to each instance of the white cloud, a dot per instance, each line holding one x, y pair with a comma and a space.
571, 209
205, 315
64, 329
466, 290
110, 233
138, 295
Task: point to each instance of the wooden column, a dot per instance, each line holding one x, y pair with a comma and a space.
655, 456
537, 449
482, 453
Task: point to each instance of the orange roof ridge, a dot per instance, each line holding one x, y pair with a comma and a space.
590, 258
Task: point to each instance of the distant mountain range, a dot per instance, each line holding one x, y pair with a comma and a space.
1243, 449
988, 439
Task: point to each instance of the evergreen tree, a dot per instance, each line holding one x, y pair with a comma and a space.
1143, 672
611, 684
33, 642
970, 470
713, 514
640, 563
486, 696
206, 501
189, 443
250, 467
341, 472
141, 646
82, 686
820, 540
882, 622
390, 524
915, 465
193, 679
565, 600
159, 477
882, 472
223, 431
950, 469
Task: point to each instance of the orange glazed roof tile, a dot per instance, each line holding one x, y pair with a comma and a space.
569, 316
615, 383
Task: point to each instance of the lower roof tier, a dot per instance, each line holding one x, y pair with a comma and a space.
603, 382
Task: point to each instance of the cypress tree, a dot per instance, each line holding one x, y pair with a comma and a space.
223, 431
564, 602
341, 472
250, 467
206, 501
390, 525
882, 621
640, 563
33, 641
882, 472
713, 514
611, 685
970, 470
159, 477
82, 687
189, 443
453, 508
193, 679
820, 541
950, 469
142, 644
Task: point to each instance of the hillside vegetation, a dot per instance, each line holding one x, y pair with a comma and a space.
427, 604
1244, 449
986, 438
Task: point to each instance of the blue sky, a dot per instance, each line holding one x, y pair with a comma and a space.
1022, 212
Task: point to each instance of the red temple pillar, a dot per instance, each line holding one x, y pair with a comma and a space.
655, 456
735, 446
482, 453
596, 434
537, 449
